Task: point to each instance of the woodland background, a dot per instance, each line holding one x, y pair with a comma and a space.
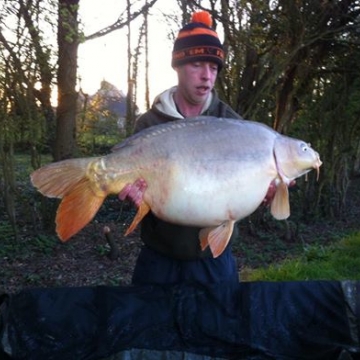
294, 65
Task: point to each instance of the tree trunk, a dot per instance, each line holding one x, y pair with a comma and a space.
65, 144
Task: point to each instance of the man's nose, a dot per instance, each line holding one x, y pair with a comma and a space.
206, 71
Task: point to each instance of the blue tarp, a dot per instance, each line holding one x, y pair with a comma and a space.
254, 320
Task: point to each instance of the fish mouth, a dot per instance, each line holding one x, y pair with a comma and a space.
316, 166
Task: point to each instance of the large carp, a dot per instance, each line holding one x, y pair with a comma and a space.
205, 171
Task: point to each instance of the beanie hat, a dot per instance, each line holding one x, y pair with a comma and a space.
197, 41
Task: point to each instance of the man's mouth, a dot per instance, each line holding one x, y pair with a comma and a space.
203, 89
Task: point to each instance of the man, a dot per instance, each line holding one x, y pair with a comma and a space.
171, 253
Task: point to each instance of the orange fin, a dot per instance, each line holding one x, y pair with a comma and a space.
280, 207
143, 209
217, 237
77, 209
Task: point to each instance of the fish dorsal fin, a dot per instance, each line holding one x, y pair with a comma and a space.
280, 207
143, 209
216, 237
77, 209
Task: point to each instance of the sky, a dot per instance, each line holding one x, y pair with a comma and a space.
105, 58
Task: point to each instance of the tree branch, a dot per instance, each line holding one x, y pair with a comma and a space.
120, 23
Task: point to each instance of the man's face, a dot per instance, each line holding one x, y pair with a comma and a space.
196, 80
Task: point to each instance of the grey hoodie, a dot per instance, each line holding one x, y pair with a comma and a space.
164, 110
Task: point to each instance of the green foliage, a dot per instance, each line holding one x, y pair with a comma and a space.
40, 243
99, 123
8, 246
99, 138
44, 243
68, 22
103, 249
339, 261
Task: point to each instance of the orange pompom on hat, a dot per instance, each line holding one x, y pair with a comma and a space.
197, 41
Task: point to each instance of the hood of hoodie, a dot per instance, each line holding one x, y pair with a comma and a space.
165, 103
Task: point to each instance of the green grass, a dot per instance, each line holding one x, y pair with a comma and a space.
340, 261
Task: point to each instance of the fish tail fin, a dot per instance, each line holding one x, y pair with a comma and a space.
68, 180
280, 207
55, 180
216, 237
77, 209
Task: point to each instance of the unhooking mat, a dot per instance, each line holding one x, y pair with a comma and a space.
253, 321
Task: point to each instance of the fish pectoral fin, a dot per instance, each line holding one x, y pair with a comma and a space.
280, 206
217, 237
77, 209
143, 209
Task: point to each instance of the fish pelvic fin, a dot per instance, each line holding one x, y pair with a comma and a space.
216, 237
77, 209
280, 206
143, 209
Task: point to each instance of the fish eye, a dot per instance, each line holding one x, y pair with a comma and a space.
305, 147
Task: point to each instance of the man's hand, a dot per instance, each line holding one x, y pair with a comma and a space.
134, 192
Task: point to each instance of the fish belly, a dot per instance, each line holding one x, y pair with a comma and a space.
209, 197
